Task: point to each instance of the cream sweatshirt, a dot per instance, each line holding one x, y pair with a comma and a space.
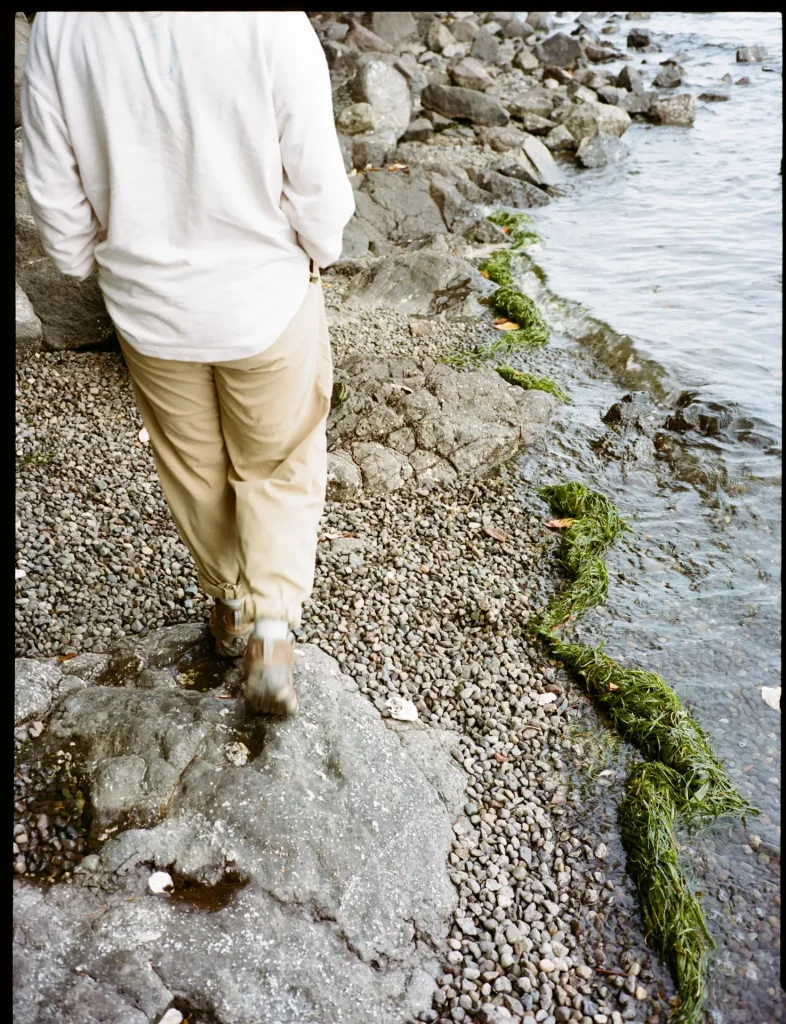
192, 157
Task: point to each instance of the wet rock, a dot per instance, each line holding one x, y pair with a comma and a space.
357, 118
601, 150
639, 38
559, 49
485, 47
637, 102
713, 97
533, 163
611, 94
600, 54
669, 78
386, 91
465, 104
344, 482
21, 39
560, 140
630, 413
674, 110
589, 119
340, 794
395, 27
630, 78
751, 54
511, 192
28, 327
431, 419
469, 73
72, 313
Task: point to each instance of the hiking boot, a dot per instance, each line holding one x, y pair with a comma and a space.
230, 630
268, 670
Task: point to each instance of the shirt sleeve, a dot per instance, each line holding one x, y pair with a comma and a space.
65, 219
317, 196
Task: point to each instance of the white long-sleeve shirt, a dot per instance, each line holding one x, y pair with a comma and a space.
192, 156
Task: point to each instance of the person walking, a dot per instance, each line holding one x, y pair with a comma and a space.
192, 158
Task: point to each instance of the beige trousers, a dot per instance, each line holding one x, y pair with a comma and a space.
240, 449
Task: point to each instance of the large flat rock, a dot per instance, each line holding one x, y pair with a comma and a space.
418, 421
330, 834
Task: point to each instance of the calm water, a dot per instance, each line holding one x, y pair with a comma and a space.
663, 275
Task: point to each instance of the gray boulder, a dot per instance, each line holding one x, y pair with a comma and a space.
414, 419
397, 206
601, 150
509, 191
328, 845
363, 39
637, 102
466, 104
751, 54
469, 73
518, 27
612, 94
72, 313
525, 60
418, 282
535, 125
439, 37
542, 160
395, 27
503, 139
28, 326
669, 78
21, 39
559, 49
588, 119
464, 30
38, 685
559, 140
344, 481
630, 78
540, 21
538, 101
386, 91
356, 118
420, 130
674, 110
485, 47
639, 38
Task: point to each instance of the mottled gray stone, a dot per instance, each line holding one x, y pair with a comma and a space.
38, 685
601, 150
28, 326
588, 119
395, 27
559, 49
336, 831
469, 73
465, 104
386, 92
343, 478
462, 424
674, 110
72, 313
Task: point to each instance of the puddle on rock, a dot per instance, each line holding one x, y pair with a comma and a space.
206, 897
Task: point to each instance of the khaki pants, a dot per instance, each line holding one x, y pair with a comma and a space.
240, 449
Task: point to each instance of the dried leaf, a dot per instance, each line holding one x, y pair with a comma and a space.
495, 532
67, 657
144, 437
398, 167
613, 686
560, 524
485, 273
500, 320
508, 325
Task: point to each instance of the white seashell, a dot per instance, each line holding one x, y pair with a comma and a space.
546, 698
160, 881
771, 695
144, 437
402, 710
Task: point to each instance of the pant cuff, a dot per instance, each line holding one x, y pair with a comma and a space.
223, 591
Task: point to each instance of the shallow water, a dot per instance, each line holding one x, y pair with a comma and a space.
663, 275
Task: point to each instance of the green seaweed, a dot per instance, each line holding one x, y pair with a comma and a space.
672, 913
520, 233
529, 382
681, 776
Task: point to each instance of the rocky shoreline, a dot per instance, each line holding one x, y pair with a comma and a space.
441, 849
